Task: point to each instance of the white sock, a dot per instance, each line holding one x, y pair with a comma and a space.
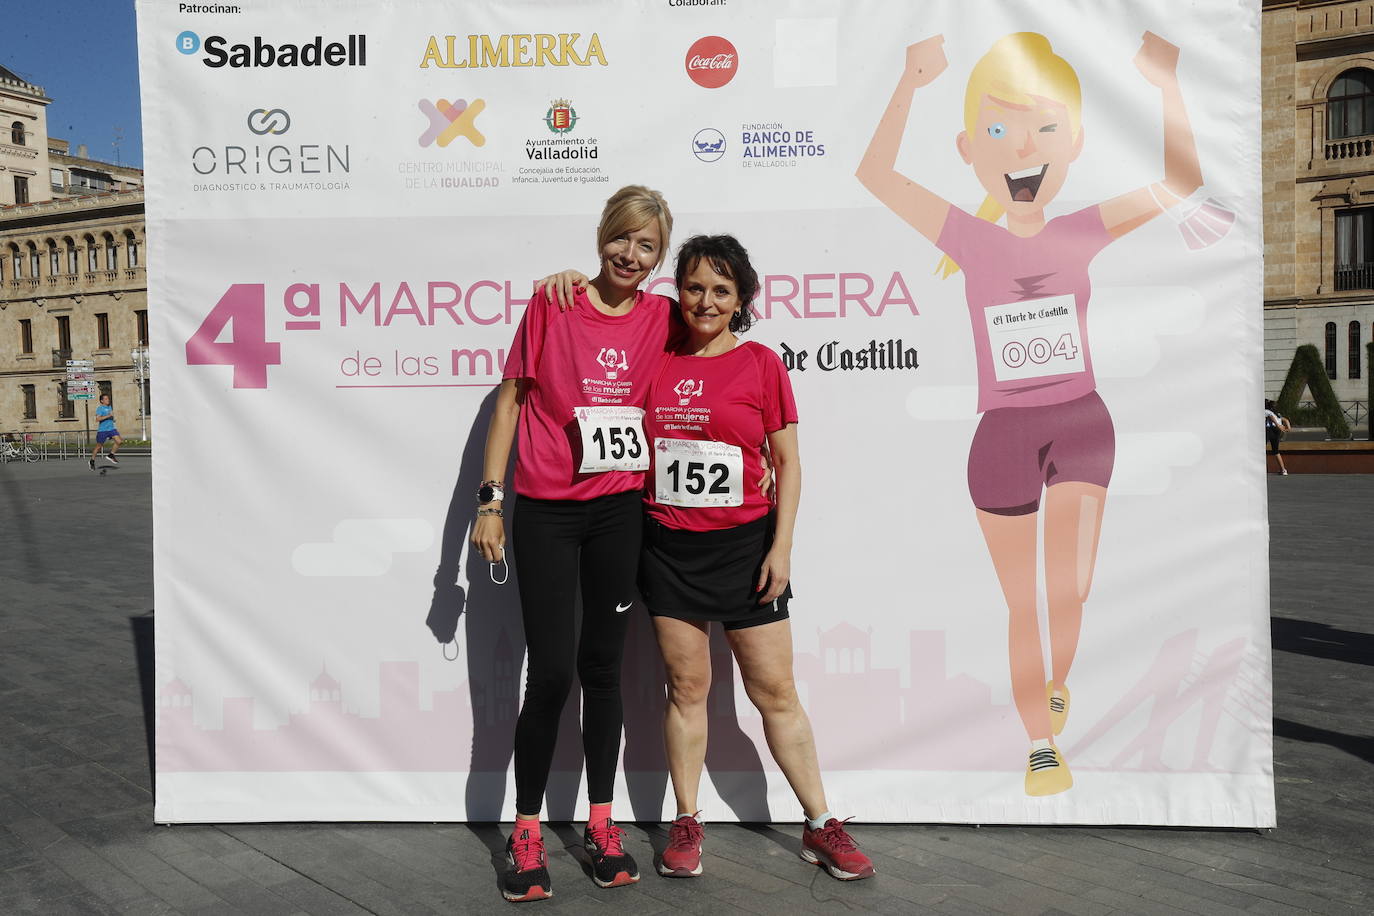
1040, 744
816, 823
682, 814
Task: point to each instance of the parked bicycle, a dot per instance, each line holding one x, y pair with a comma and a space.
10, 450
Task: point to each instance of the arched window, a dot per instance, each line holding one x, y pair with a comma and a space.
130, 248
54, 259
16, 262
1354, 350
71, 255
1350, 105
111, 253
17, 133
92, 256
34, 261
1331, 349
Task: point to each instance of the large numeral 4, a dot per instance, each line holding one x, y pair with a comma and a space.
248, 350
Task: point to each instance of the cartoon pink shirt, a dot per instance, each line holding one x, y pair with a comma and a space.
708, 418
1028, 301
582, 359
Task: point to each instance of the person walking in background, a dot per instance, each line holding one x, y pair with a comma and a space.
105, 430
1274, 428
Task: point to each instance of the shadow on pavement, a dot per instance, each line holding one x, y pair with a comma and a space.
1322, 641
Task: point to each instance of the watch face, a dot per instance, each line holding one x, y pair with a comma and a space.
486, 493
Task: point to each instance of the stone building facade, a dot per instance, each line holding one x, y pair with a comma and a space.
73, 275
1317, 68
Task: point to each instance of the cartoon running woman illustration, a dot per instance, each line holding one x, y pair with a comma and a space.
1027, 286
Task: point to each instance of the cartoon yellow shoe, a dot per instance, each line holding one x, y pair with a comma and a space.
1046, 771
1059, 706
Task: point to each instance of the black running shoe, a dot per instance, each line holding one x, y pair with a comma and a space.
112, 458
527, 878
612, 866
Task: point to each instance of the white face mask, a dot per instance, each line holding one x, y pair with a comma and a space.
492, 571
1202, 221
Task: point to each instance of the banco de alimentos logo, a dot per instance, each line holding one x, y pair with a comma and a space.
450, 120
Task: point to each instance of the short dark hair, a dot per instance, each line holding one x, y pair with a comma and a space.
728, 258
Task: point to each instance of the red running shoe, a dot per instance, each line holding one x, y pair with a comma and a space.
612, 866
682, 858
527, 877
834, 849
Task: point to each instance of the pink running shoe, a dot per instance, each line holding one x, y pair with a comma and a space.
612, 866
682, 858
834, 849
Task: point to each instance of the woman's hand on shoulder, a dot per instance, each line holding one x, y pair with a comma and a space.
774, 575
561, 287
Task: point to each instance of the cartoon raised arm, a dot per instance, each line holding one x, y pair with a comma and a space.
919, 206
1157, 60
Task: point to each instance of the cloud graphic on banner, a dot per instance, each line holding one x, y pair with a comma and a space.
1144, 461
943, 402
363, 547
1126, 322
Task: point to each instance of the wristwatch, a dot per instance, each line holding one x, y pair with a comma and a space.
490, 491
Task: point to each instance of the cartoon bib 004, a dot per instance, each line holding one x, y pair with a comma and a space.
693, 473
612, 439
1037, 338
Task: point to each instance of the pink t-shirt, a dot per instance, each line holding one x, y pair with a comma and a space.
708, 418
580, 358
1028, 301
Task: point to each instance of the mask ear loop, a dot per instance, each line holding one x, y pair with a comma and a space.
492, 571
444, 649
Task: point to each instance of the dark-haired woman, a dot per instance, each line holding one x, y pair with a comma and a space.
716, 551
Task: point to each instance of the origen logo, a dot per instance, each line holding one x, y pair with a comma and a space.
449, 120
712, 62
269, 121
708, 145
687, 389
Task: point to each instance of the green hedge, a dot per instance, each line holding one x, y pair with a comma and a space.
1308, 371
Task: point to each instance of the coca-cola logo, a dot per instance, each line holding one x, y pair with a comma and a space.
712, 62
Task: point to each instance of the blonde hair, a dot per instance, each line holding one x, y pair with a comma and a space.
1015, 69
630, 208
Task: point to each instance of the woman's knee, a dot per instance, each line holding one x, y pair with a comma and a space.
773, 695
688, 686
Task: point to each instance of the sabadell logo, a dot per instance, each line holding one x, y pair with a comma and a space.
712, 62
314, 52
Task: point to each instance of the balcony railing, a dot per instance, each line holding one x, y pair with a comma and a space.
1355, 148
1355, 276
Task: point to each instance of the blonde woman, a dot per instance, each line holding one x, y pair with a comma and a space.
1044, 428
574, 389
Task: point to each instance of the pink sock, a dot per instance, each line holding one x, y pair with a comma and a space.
532, 825
599, 814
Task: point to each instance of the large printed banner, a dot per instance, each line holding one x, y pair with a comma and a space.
1035, 464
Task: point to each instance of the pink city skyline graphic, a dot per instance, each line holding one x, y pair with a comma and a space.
864, 718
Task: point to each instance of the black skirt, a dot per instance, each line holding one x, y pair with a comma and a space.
709, 575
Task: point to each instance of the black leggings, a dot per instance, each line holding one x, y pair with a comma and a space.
558, 545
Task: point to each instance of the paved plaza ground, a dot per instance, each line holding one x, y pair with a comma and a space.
76, 830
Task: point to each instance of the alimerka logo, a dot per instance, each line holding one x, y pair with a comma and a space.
311, 53
533, 50
449, 120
